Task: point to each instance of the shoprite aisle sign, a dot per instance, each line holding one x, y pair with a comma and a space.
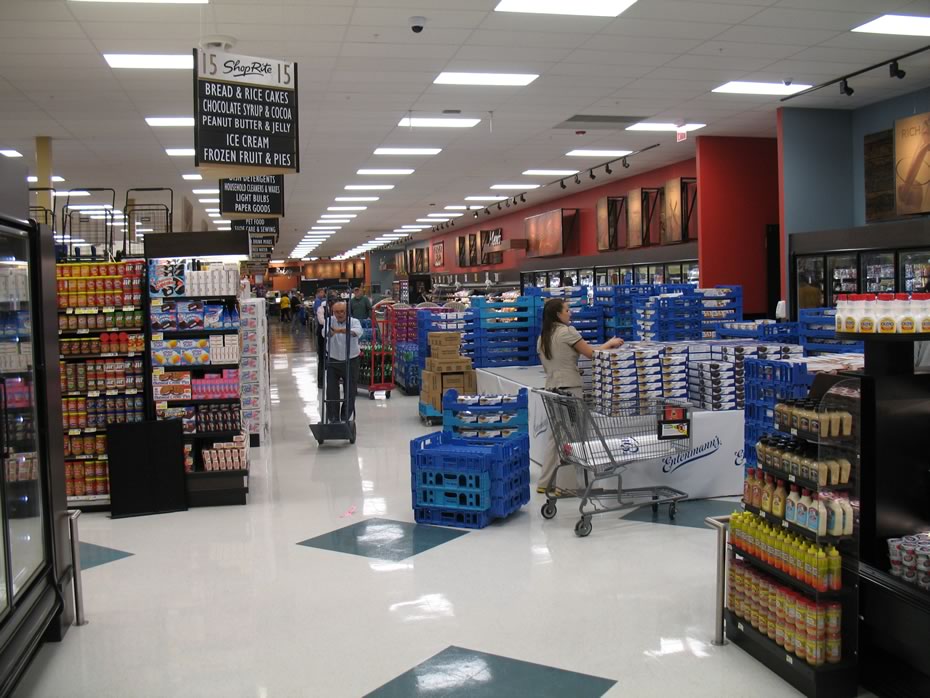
246, 114
263, 234
247, 197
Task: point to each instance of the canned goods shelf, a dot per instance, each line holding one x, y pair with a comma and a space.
104, 393
186, 334
108, 355
95, 498
194, 368
102, 456
85, 430
98, 330
97, 310
213, 435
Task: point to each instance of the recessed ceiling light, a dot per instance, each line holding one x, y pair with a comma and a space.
432, 220
598, 153
150, 61
192, 177
209, 201
346, 208
33, 179
644, 126
169, 120
336, 216
429, 122
88, 207
212, 210
10, 153
445, 215
586, 8
349, 199
408, 151
384, 172
902, 25
369, 187
402, 230
326, 227
456, 208
416, 227
206, 191
220, 221
488, 79
550, 173
515, 187
180, 152
485, 198
76, 192
739, 87
213, 215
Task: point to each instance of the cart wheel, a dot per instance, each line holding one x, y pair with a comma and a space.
371, 396
655, 508
548, 510
352, 433
388, 395
319, 442
583, 528
672, 511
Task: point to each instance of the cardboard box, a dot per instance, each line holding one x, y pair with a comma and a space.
453, 380
444, 351
471, 382
455, 365
445, 338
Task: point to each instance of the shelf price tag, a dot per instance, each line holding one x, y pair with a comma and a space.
83, 331
93, 393
794, 432
740, 626
784, 524
159, 371
161, 405
789, 659
158, 336
69, 311
791, 478
112, 392
109, 310
128, 308
132, 391
74, 432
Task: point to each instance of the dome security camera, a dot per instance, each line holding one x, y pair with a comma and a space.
417, 24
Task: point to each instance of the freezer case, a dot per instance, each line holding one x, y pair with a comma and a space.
877, 272
810, 281
914, 271
842, 276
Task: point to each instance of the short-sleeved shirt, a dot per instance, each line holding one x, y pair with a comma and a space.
285, 302
562, 369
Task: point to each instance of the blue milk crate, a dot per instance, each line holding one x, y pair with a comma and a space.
452, 517
818, 332
505, 506
515, 482
442, 451
451, 480
451, 499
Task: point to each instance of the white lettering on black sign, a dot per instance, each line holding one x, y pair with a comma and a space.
253, 196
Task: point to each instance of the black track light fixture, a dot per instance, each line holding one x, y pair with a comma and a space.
592, 175
577, 179
625, 163
487, 211
476, 214
562, 184
607, 169
508, 203
498, 207
523, 198
515, 201
895, 71
845, 89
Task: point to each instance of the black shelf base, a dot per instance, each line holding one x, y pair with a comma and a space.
829, 681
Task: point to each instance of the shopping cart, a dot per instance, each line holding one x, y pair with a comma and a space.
604, 446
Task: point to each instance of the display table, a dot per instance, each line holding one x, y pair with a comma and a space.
713, 467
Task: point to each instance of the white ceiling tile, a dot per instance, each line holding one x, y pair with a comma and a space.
721, 62
612, 42
689, 11
789, 17
671, 29
484, 37
739, 49
401, 35
620, 58
798, 35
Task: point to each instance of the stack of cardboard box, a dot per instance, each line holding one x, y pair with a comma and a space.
446, 369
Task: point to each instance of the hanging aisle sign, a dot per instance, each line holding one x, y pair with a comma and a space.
247, 197
246, 114
263, 234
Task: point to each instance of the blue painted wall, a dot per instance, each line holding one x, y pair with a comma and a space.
871, 119
383, 278
817, 169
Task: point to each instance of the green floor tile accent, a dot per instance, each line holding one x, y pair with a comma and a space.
96, 555
383, 539
690, 513
458, 672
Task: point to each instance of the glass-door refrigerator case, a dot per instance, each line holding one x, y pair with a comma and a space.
810, 291
877, 272
842, 276
914, 271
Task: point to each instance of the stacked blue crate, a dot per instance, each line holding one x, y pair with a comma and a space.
468, 484
495, 417
818, 333
588, 319
761, 331
616, 303
440, 320
722, 304
669, 319
768, 382
406, 367
504, 333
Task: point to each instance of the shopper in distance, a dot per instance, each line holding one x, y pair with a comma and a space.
343, 361
360, 305
285, 308
559, 346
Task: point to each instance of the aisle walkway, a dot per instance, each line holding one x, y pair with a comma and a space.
321, 586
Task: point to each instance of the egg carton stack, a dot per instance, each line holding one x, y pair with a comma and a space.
716, 386
254, 371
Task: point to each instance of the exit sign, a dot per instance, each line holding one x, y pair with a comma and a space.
681, 135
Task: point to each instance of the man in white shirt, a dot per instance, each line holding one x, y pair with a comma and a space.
342, 335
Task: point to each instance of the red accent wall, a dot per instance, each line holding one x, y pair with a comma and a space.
586, 227
738, 187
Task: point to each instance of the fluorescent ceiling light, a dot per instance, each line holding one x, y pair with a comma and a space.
192, 177
76, 192
180, 152
326, 227
11, 153
214, 215
489, 79
664, 127
408, 151
33, 179
586, 8
335, 220
369, 187
206, 191
444, 215
401, 230
395, 236
416, 227
145, 230
550, 173
598, 153
89, 207
169, 120
277, 261
346, 208
150, 61
220, 222
902, 25
153, 2
209, 201
420, 122
338, 216
516, 187
456, 208
313, 259
739, 87
349, 199
485, 198
212, 210
433, 220
384, 172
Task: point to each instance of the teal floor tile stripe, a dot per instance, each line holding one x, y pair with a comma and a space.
457, 672
96, 555
691, 513
383, 539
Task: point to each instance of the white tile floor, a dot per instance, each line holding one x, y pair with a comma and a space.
223, 602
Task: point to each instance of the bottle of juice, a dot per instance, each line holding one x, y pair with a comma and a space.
800, 512
791, 504
841, 312
847, 516
868, 320
767, 491
887, 313
907, 316
757, 486
817, 516
853, 311
835, 564
778, 500
823, 572
921, 304
810, 561
749, 477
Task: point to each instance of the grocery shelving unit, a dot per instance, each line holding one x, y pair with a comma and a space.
831, 680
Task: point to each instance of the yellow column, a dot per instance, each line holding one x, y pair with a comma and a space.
44, 173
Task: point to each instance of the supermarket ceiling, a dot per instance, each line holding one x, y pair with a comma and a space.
362, 70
